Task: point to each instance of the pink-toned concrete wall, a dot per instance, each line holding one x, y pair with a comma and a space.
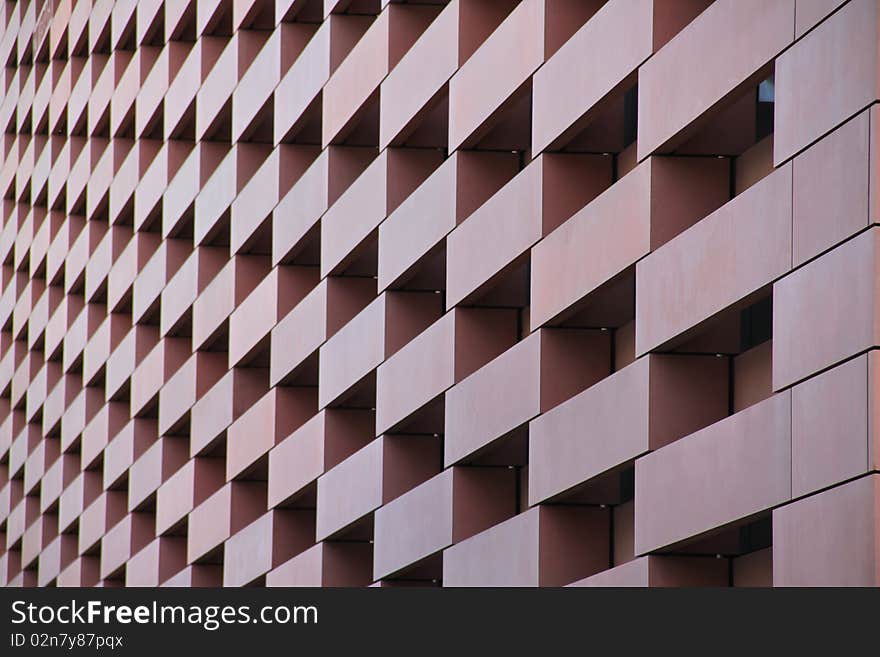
453, 292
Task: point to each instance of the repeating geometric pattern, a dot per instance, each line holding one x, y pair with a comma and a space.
457, 293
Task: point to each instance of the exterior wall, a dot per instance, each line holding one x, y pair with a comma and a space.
457, 293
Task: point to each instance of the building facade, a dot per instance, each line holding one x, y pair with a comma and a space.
440, 293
